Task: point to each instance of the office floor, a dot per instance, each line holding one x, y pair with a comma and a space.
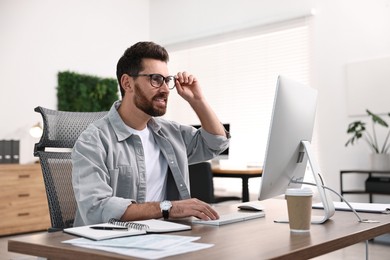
376, 251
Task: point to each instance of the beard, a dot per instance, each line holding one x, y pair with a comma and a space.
142, 102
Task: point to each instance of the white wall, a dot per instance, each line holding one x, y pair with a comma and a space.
343, 31
38, 38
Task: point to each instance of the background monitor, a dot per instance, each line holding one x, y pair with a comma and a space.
288, 148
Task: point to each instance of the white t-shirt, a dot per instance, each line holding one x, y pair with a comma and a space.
156, 166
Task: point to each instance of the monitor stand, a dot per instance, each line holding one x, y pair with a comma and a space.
324, 194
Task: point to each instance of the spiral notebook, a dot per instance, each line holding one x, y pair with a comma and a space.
116, 228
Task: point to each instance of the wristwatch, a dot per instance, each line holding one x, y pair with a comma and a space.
165, 207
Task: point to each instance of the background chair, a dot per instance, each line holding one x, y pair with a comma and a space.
202, 185
60, 132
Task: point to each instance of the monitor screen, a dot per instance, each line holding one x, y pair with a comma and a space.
225, 153
288, 149
292, 121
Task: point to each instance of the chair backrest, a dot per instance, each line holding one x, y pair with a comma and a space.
60, 132
202, 184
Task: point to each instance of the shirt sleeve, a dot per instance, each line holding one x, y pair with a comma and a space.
91, 184
202, 146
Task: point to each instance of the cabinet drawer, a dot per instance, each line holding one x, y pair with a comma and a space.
20, 196
23, 202
33, 217
12, 178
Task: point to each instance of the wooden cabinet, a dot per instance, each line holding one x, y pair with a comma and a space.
23, 202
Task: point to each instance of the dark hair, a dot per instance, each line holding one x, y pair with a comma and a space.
131, 60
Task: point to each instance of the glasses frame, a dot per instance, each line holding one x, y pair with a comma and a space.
166, 79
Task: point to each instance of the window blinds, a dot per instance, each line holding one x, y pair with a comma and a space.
238, 73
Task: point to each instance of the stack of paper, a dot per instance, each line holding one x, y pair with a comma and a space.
360, 207
151, 246
136, 242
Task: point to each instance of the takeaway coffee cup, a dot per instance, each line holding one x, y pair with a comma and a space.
299, 202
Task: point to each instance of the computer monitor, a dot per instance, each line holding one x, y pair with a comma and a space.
225, 153
288, 148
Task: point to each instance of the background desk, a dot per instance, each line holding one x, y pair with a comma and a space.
363, 190
244, 174
253, 239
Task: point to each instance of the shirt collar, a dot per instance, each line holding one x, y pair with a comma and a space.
120, 127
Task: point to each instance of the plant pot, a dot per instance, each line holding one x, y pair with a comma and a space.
380, 161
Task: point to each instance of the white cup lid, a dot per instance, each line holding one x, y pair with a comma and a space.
299, 192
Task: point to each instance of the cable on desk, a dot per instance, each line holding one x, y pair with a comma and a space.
342, 199
349, 205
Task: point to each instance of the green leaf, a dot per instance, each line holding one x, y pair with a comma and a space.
357, 130
377, 119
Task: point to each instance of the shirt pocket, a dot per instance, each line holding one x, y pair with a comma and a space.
124, 182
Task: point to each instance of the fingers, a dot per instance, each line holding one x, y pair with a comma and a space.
187, 87
185, 78
195, 208
205, 211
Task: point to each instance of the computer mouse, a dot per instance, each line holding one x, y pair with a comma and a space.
251, 206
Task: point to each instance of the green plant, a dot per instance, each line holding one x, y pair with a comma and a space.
85, 93
358, 130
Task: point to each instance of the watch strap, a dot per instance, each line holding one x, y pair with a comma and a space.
165, 214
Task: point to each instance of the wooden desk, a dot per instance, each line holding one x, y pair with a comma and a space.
244, 174
252, 239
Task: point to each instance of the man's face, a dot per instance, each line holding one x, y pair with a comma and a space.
149, 99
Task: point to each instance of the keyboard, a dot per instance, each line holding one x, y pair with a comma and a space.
233, 217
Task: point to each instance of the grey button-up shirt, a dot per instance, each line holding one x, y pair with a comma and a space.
109, 166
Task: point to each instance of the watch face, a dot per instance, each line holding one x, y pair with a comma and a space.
166, 205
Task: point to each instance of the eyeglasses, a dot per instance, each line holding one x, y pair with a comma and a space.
157, 80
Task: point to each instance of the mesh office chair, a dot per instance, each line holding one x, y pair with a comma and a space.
202, 185
60, 132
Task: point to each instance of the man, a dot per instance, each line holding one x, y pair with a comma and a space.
132, 164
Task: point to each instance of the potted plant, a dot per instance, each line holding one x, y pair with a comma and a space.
380, 159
